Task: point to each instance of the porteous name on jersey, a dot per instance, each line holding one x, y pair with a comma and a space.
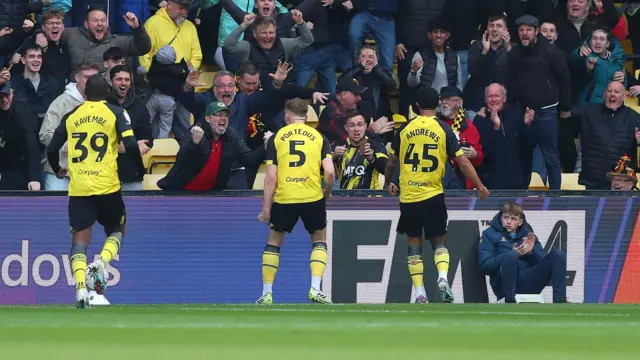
423, 132
302, 132
90, 119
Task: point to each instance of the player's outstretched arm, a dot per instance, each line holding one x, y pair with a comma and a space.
470, 173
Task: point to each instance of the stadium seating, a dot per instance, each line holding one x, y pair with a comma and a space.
312, 117
570, 182
150, 181
162, 156
258, 183
537, 183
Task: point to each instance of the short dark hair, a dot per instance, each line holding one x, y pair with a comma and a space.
497, 17
119, 68
53, 13
354, 113
97, 88
368, 47
87, 66
30, 46
601, 27
114, 53
93, 8
264, 20
427, 98
248, 68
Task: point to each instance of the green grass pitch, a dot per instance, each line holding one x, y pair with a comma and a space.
307, 332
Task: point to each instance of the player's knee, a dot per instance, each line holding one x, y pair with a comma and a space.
78, 249
319, 245
557, 255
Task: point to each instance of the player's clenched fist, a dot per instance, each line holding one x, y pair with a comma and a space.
196, 134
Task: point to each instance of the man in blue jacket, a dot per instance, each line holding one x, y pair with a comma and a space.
512, 256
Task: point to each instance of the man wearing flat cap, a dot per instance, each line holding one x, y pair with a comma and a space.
539, 81
452, 113
436, 65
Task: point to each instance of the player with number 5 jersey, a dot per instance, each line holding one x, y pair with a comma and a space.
93, 131
296, 154
423, 146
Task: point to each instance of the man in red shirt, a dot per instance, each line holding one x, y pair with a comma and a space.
204, 161
453, 114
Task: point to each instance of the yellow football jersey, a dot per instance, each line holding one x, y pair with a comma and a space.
298, 151
93, 131
423, 147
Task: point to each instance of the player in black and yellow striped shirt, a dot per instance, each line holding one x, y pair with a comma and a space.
361, 160
424, 146
93, 131
295, 156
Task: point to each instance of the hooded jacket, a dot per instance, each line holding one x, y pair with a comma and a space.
61, 106
83, 48
164, 31
597, 80
141, 126
496, 242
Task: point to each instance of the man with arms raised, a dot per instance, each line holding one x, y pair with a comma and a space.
293, 190
424, 146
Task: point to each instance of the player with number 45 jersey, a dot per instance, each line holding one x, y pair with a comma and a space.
424, 146
93, 131
292, 191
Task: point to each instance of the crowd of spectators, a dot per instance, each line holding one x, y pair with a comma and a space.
526, 86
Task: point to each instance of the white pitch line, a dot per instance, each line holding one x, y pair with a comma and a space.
335, 308
329, 325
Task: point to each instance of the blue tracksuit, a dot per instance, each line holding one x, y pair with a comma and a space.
511, 273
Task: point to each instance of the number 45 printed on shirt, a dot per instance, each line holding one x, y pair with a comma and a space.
414, 159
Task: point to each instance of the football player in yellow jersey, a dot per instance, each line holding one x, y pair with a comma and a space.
93, 131
424, 145
293, 190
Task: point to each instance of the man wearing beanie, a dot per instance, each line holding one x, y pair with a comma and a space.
539, 80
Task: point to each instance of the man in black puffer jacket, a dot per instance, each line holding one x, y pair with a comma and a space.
607, 132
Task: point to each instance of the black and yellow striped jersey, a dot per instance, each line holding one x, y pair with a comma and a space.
356, 172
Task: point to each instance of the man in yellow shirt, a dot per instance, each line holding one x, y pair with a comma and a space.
424, 145
169, 26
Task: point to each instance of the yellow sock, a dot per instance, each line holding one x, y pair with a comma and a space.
79, 268
318, 260
441, 258
270, 262
416, 267
111, 247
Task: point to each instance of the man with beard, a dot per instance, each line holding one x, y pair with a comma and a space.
204, 162
266, 49
607, 132
19, 152
622, 176
88, 43
122, 95
452, 113
169, 26
539, 80
39, 89
55, 56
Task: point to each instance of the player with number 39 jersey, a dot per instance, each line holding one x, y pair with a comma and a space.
423, 147
93, 131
